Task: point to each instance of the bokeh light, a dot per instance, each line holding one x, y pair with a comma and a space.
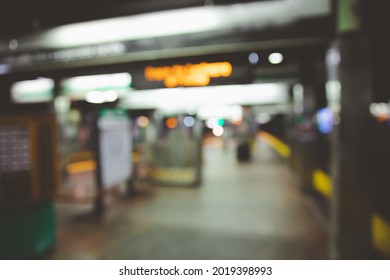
143, 121
171, 122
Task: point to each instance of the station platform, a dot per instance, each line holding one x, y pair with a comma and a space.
246, 211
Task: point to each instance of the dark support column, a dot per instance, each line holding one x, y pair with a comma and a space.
354, 174
306, 138
313, 84
99, 203
352, 155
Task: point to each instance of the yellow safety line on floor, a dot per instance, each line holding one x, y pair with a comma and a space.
381, 235
81, 166
322, 183
175, 174
275, 143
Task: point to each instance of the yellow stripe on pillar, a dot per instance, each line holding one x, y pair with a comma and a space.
322, 183
381, 235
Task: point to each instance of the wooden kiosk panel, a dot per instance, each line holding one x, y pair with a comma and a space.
28, 160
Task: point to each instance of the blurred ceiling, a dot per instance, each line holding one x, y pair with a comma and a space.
43, 34
22, 17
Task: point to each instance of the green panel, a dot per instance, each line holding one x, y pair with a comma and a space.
109, 112
30, 97
27, 231
348, 19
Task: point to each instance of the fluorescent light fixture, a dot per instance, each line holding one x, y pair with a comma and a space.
236, 112
32, 91
178, 99
177, 22
98, 97
110, 95
213, 112
78, 87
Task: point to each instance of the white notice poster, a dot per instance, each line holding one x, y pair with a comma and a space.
115, 150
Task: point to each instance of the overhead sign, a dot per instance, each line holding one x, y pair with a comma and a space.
192, 72
188, 75
63, 55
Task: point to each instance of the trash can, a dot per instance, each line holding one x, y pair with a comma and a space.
27, 231
243, 152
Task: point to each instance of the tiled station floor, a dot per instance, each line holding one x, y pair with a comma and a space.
241, 211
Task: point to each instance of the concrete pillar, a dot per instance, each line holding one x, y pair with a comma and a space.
355, 155
351, 158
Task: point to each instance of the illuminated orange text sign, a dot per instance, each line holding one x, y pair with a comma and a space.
188, 75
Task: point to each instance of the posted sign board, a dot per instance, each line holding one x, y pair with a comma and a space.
115, 147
